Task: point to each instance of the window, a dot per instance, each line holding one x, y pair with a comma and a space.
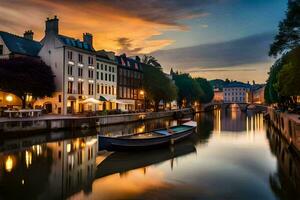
91, 73
102, 89
59, 98
113, 69
1, 49
80, 87
70, 55
109, 77
109, 90
105, 76
70, 70
106, 89
109, 68
98, 88
101, 66
80, 70
91, 89
80, 58
113, 78
70, 87
105, 67
91, 60
112, 90
101, 76
97, 75
97, 65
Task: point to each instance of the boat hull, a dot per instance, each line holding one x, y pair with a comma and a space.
117, 144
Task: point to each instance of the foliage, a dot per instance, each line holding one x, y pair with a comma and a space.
22, 76
208, 93
158, 86
188, 89
288, 36
150, 60
289, 76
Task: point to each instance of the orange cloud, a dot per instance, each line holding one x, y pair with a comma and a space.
106, 23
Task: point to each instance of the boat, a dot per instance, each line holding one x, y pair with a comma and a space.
122, 162
147, 140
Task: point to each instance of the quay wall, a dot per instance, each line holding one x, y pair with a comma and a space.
288, 124
75, 122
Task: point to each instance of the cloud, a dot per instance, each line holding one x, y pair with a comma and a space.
248, 50
126, 46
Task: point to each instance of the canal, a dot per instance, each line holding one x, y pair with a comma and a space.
232, 155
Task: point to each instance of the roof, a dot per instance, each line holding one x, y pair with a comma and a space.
131, 63
20, 45
236, 84
72, 42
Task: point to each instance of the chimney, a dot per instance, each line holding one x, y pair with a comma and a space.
88, 38
28, 35
52, 25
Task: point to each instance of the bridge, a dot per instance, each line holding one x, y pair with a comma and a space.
225, 105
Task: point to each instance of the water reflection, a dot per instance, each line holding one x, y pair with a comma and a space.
231, 155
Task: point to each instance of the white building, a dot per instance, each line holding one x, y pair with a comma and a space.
236, 93
78, 72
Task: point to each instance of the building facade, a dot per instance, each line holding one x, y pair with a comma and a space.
130, 91
236, 93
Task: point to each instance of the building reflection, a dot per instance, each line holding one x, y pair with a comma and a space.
233, 120
52, 170
285, 183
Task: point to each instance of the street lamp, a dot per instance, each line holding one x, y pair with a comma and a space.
142, 92
9, 99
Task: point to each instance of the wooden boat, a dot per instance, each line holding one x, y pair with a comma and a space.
122, 162
147, 140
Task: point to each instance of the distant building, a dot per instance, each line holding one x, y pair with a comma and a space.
130, 91
258, 94
218, 95
236, 92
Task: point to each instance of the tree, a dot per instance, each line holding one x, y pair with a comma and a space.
150, 60
26, 76
158, 86
208, 93
288, 77
288, 36
188, 89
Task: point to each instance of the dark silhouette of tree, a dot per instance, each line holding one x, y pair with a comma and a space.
208, 93
188, 89
150, 60
158, 86
288, 36
26, 76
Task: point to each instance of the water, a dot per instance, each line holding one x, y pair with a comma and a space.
232, 156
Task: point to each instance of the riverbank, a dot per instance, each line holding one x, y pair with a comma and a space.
288, 124
57, 122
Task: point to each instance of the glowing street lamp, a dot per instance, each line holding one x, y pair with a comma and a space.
9, 98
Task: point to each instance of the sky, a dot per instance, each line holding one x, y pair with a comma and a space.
207, 38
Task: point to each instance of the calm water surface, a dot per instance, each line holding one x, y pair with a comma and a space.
231, 156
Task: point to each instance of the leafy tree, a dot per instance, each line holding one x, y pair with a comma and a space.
289, 76
158, 86
22, 76
208, 93
188, 89
288, 36
150, 60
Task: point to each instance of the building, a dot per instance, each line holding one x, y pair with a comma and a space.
218, 95
258, 94
130, 91
16, 46
106, 80
236, 92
